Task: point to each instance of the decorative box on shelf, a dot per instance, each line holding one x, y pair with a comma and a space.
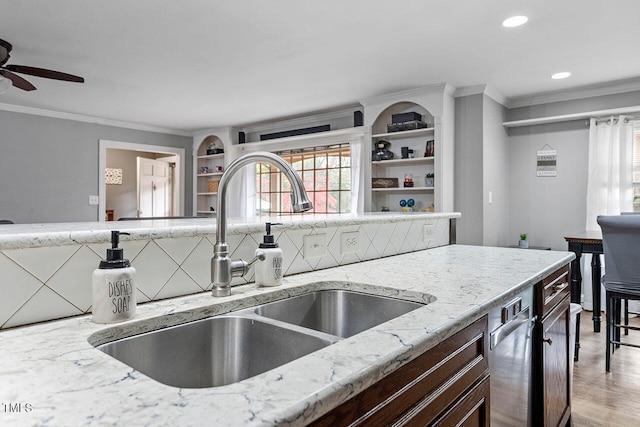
406, 117
411, 125
384, 182
212, 186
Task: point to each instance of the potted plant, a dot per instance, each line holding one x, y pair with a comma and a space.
523, 243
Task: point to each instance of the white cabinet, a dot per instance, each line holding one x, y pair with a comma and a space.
209, 169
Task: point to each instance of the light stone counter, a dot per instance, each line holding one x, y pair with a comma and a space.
21, 236
50, 375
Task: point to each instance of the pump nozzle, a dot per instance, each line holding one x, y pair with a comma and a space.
115, 255
115, 238
268, 241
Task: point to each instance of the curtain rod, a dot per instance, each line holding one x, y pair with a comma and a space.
607, 120
635, 111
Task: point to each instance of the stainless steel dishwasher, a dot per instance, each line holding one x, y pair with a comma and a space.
510, 353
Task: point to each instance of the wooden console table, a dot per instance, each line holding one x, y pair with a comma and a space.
586, 242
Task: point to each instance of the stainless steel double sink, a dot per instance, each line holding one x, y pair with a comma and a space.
228, 348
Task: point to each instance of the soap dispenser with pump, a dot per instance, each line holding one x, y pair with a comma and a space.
114, 288
269, 270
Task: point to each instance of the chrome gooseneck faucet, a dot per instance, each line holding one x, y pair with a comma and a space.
223, 268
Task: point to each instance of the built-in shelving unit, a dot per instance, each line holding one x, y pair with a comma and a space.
416, 167
209, 169
430, 169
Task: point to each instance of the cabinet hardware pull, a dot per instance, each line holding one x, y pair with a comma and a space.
559, 287
548, 340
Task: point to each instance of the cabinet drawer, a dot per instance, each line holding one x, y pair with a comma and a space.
553, 289
420, 391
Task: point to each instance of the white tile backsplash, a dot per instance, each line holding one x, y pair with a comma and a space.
44, 283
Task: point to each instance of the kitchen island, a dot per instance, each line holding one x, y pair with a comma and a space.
50, 374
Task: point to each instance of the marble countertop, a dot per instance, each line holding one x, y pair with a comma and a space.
52, 376
18, 236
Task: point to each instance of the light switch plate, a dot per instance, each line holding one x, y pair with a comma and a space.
314, 245
93, 200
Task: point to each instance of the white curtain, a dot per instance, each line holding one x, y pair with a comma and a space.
610, 181
357, 176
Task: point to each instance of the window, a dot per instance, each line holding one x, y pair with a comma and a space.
636, 166
325, 171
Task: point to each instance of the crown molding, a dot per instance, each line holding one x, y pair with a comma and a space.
591, 91
485, 89
91, 119
435, 88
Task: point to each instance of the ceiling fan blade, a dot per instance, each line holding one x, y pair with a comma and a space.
4, 54
17, 81
42, 72
5, 48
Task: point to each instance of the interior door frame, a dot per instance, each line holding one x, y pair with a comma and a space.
105, 144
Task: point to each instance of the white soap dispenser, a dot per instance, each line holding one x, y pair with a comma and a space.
269, 270
114, 287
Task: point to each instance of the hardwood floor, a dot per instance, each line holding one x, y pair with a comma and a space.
605, 398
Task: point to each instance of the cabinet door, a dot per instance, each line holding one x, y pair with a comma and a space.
472, 410
554, 346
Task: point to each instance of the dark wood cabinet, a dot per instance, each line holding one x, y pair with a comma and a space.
552, 393
447, 385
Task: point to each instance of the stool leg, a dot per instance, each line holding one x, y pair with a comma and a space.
609, 316
626, 316
617, 321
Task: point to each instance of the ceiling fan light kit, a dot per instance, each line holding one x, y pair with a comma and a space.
8, 71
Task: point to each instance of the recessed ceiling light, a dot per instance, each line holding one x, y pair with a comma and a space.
515, 21
562, 75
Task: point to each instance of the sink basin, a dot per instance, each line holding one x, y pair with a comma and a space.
337, 312
228, 348
213, 352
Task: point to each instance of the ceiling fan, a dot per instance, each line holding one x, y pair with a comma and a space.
8, 71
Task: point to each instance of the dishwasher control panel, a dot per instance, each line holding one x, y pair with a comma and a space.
511, 310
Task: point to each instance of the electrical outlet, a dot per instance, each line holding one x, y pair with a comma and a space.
427, 231
350, 242
314, 245
94, 200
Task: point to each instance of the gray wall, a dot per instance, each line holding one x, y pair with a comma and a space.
468, 186
491, 157
548, 208
49, 166
496, 170
481, 165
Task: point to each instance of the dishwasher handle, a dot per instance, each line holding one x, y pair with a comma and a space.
507, 328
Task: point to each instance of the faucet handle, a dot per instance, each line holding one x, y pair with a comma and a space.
260, 256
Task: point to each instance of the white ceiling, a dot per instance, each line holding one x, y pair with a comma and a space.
195, 64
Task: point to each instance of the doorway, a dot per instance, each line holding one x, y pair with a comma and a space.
122, 199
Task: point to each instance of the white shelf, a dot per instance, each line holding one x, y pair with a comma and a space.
403, 189
405, 133
207, 194
211, 174
397, 162
205, 212
212, 156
